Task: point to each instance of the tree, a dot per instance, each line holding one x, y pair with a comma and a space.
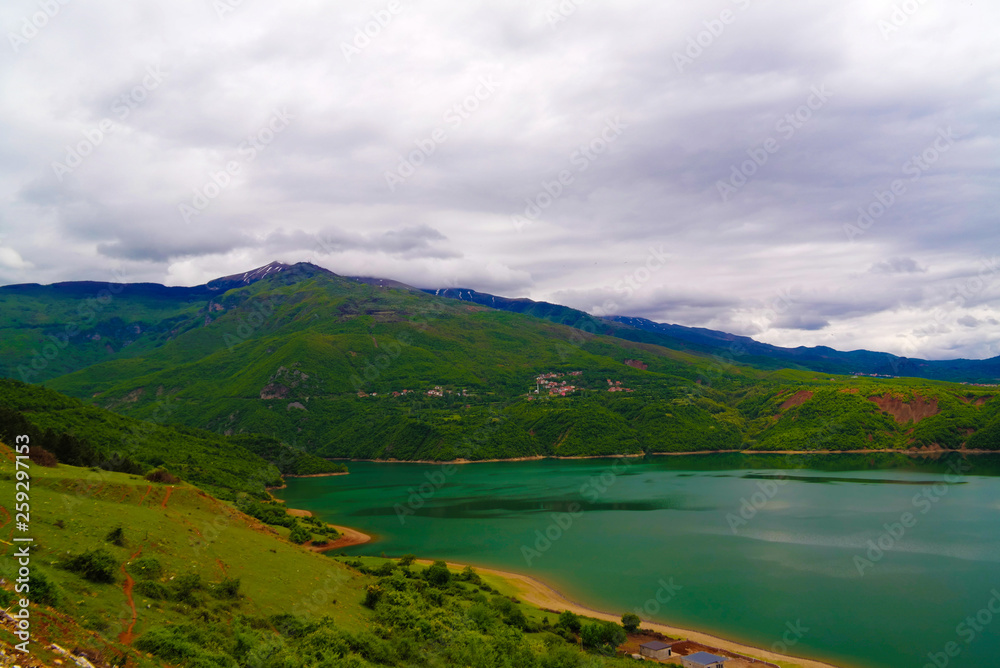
299, 534
438, 573
569, 621
606, 636
631, 622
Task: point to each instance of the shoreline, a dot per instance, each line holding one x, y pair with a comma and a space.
536, 592
305, 475
868, 451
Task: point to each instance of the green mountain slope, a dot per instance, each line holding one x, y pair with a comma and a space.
345, 368
86, 435
128, 573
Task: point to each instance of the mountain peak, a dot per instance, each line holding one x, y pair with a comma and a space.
271, 269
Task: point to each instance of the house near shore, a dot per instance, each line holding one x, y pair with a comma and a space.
703, 660
656, 649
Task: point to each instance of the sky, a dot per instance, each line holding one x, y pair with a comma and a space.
806, 173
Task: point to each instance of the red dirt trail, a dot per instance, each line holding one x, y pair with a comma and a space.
145, 495
166, 497
126, 635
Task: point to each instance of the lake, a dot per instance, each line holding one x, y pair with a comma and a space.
859, 560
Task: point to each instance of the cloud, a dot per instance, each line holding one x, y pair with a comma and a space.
857, 168
897, 265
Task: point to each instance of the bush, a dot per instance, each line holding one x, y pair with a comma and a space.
407, 560
42, 457
43, 590
631, 622
95, 565
229, 588
116, 536
569, 621
185, 586
606, 636
162, 475
153, 590
146, 568
299, 535
372, 595
438, 573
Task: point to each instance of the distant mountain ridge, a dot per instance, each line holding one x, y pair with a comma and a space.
182, 303
744, 348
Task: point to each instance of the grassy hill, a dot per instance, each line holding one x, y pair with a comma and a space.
346, 368
129, 573
83, 434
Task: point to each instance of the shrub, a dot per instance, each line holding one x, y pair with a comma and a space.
606, 636
228, 588
42, 457
43, 590
184, 587
153, 590
372, 595
438, 573
146, 568
407, 560
569, 621
631, 621
116, 536
162, 475
95, 565
299, 535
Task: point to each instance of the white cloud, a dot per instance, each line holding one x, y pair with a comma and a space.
556, 88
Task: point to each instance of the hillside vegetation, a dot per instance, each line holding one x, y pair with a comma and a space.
341, 368
131, 573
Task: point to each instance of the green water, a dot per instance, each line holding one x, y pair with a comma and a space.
665, 536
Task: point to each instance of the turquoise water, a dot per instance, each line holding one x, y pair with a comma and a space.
769, 550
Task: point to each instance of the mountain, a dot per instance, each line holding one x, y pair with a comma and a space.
743, 348
342, 367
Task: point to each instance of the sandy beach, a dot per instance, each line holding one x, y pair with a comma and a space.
536, 592
348, 536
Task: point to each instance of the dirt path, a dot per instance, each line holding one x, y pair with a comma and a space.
143, 499
126, 635
222, 567
166, 497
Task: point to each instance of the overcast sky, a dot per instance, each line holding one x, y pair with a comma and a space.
703, 163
